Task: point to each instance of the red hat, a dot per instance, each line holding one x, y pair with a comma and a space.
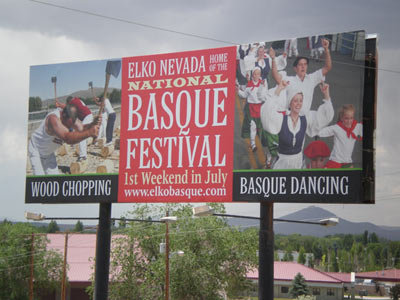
317, 148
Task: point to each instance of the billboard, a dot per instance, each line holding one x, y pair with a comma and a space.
268, 121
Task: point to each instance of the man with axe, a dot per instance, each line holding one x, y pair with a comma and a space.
84, 114
60, 125
112, 68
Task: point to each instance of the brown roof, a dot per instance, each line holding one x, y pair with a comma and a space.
286, 271
392, 275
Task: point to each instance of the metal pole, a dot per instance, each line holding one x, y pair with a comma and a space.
266, 253
103, 245
166, 260
64, 283
31, 279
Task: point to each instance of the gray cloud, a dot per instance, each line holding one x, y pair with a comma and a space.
38, 34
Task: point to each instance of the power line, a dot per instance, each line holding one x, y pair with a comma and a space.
133, 22
176, 31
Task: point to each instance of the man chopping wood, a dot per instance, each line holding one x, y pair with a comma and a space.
84, 114
60, 125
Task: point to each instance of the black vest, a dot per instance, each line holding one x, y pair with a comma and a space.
286, 137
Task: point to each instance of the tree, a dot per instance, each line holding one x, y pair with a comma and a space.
16, 252
288, 256
122, 223
395, 292
216, 256
299, 286
365, 238
78, 226
317, 250
373, 238
115, 96
348, 242
302, 256
53, 227
35, 104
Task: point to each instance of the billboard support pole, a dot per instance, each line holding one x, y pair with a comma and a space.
103, 246
266, 252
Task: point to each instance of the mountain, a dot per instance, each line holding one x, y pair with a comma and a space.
83, 94
313, 213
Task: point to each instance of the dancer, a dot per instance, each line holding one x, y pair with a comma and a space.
292, 126
345, 132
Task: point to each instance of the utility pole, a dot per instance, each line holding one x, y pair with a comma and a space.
103, 250
64, 278
166, 260
266, 252
31, 278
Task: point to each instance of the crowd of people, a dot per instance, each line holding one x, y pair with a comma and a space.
281, 116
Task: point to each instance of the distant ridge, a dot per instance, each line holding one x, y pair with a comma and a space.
313, 213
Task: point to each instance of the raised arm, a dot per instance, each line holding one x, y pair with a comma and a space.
274, 68
317, 120
328, 61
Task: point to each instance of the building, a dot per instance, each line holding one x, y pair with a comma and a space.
378, 282
81, 250
321, 285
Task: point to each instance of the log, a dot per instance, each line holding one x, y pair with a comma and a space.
117, 142
106, 166
63, 150
76, 150
101, 142
107, 151
79, 167
117, 131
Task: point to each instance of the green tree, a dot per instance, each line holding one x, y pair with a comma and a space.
78, 226
373, 238
348, 241
302, 256
53, 227
35, 104
299, 286
115, 96
317, 250
122, 223
395, 292
16, 252
365, 238
288, 256
216, 256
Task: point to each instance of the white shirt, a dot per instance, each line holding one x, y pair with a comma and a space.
108, 107
46, 144
342, 144
307, 87
272, 116
255, 95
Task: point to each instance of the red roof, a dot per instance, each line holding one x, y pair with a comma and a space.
343, 277
392, 275
286, 271
80, 253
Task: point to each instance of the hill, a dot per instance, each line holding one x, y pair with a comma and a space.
313, 213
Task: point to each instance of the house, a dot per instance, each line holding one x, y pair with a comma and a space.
81, 251
345, 278
320, 284
378, 282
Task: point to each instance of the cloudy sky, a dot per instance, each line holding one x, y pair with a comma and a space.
35, 33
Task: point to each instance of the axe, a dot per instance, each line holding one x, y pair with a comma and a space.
91, 87
54, 80
113, 68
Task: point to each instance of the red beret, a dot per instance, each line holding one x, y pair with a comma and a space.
317, 148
